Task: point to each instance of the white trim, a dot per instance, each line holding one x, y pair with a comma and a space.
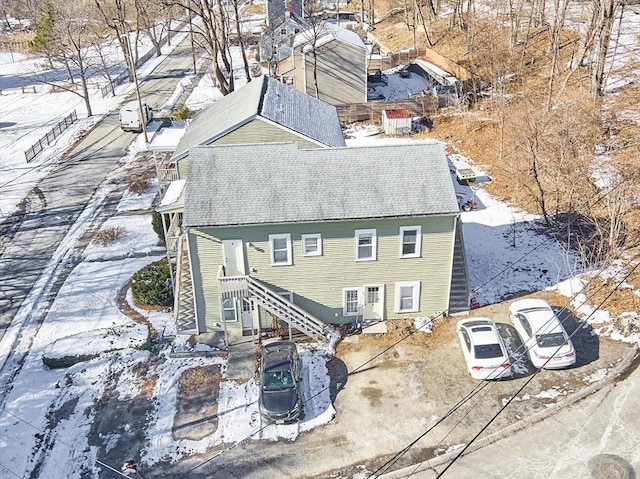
418, 251
359, 293
415, 297
235, 310
304, 238
374, 244
287, 237
288, 295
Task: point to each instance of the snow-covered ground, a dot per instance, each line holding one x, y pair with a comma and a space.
505, 255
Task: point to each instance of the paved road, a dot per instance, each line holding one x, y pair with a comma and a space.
45, 231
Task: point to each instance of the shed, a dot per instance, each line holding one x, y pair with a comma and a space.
397, 122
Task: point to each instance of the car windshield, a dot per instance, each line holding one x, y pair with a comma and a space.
552, 340
277, 381
487, 351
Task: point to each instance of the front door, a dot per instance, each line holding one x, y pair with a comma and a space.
373, 302
245, 313
233, 258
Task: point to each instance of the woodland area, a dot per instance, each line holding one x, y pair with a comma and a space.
538, 118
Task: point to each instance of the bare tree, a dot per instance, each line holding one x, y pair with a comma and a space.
606, 13
115, 14
211, 33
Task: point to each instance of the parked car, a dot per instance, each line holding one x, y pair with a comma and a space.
542, 334
280, 400
483, 349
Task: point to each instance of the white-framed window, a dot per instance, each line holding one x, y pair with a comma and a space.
366, 245
351, 301
407, 297
410, 241
280, 249
229, 314
287, 79
311, 244
283, 31
288, 295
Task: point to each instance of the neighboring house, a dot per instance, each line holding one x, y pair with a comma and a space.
276, 234
277, 10
278, 43
340, 64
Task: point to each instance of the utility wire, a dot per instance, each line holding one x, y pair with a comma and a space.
5, 468
97, 461
477, 389
510, 400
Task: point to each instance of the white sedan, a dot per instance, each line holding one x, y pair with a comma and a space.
542, 334
483, 349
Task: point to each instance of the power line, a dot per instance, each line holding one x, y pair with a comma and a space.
3, 467
508, 402
97, 461
477, 389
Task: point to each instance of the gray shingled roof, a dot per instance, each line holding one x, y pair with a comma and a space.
269, 99
279, 183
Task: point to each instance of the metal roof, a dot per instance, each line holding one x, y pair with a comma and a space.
280, 183
269, 99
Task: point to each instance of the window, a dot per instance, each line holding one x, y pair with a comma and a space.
311, 245
365, 245
229, 310
287, 79
407, 297
351, 301
410, 241
283, 31
280, 249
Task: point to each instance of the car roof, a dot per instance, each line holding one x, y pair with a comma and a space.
483, 330
531, 303
542, 322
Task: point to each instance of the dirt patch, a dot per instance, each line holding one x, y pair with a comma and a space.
197, 410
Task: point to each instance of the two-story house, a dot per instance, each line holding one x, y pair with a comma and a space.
275, 232
328, 62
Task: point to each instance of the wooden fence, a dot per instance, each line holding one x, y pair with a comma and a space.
20, 89
372, 111
55, 132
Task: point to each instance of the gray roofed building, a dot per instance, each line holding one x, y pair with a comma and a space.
279, 183
274, 102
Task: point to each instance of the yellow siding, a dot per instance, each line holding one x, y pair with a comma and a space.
341, 72
317, 282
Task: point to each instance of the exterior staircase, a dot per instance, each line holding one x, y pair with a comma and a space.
184, 310
277, 305
459, 297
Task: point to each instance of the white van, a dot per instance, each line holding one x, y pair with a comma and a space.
130, 116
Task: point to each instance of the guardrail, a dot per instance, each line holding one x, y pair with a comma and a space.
54, 133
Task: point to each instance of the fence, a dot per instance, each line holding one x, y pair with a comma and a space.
422, 106
21, 89
55, 132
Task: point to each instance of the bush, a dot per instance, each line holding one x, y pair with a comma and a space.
183, 113
156, 223
139, 184
151, 286
108, 235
